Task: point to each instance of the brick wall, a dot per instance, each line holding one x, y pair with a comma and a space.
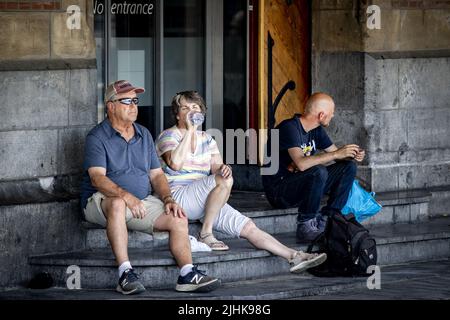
25, 5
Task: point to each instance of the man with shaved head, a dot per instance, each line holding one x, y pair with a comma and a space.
303, 178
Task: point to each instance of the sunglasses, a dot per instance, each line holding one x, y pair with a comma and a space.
127, 101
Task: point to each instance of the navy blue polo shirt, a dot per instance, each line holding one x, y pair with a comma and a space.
292, 134
127, 164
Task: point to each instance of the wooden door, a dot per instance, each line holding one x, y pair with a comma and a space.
288, 22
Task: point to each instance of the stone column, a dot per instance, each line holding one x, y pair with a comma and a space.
390, 87
48, 103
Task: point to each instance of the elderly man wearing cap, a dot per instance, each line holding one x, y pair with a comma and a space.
120, 170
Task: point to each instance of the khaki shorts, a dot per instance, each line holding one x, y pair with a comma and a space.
154, 207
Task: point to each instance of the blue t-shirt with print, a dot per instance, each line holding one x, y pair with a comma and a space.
292, 134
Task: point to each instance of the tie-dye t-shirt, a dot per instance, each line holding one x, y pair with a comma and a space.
196, 166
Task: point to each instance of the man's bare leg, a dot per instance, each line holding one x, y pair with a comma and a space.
178, 237
181, 250
116, 228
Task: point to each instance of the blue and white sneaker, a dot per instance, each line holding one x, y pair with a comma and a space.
129, 283
197, 281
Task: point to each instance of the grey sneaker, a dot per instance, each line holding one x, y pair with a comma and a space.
308, 230
321, 221
129, 283
303, 261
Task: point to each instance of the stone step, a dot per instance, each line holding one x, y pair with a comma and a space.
284, 286
398, 207
440, 201
396, 244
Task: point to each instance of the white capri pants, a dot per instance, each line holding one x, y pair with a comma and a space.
192, 198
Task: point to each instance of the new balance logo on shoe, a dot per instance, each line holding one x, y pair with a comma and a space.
197, 281
129, 283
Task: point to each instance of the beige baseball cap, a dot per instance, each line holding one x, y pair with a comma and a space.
121, 86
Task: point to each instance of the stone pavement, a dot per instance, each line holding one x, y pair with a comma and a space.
422, 280
429, 280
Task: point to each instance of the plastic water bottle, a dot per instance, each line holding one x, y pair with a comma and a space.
197, 118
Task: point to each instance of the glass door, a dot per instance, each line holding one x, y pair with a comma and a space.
235, 64
162, 50
184, 50
131, 54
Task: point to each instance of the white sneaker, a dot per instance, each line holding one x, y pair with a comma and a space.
303, 261
197, 246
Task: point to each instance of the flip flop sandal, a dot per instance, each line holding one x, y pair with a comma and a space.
212, 242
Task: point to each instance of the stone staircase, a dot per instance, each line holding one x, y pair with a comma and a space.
398, 207
403, 230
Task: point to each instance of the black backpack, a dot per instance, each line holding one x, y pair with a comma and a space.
349, 247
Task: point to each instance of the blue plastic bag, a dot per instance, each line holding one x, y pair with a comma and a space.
361, 203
